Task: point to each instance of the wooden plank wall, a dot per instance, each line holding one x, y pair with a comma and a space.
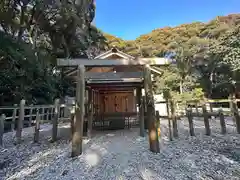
117, 101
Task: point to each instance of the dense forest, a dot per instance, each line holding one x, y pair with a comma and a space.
206, 57
34, 33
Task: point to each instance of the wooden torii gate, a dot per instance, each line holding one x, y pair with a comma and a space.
81, 64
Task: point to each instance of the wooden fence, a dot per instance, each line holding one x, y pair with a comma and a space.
204, 110
19, 116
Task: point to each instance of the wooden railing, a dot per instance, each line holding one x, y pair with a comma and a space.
196, 106
206, 111
19, 116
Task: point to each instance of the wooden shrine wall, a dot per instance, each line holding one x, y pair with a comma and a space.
117, 101
112, 100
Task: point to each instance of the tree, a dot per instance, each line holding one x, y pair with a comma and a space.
185, 57
33, 34
227, 50
168, 85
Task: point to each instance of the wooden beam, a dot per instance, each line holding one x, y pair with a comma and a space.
55, 120
79, 113
151, 117
141, 111
108, 85
111, 62
113, 75
118, 76
2, 121
70, 71
115, 90
20, 121
169, 121
99, 88
90, 112
156, 70
122, 80
174, 118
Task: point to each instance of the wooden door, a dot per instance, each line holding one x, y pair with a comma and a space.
117, 102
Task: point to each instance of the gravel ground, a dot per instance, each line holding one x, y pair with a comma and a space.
124, 155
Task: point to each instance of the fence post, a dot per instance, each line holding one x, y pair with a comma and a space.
43, 114
141, 111
30, 116
235, 113
55, 120
222, 121
37, 127
196, 107
190, 120
47, 114
206, 120
2, 120
52, 113
72, 118
20, 121
211, 107
158, 123
231, 107
169, 121
174, 119
14, 117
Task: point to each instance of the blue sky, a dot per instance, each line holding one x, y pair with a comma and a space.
128, 19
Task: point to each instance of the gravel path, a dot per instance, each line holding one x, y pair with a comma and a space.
123, 155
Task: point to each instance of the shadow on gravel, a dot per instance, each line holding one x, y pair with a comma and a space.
231, 152
14, 157
119, 155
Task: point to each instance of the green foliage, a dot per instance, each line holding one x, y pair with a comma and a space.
231, 43
226, 52
169, 84
32, 35
168, 81
206, 56
161, 40
22, 75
